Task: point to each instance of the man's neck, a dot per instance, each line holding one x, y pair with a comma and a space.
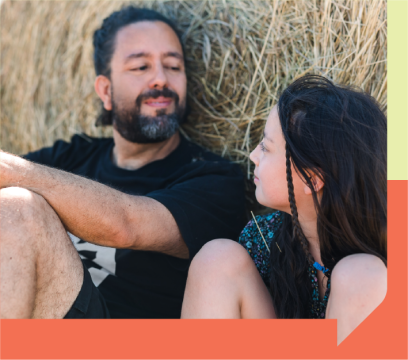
133, 156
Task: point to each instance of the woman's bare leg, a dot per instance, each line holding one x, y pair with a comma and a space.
223, 283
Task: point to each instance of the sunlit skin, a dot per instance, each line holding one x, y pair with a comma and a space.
148, 55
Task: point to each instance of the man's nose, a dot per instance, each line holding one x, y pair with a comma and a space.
159, 80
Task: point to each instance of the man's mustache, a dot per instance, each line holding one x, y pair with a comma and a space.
155, 93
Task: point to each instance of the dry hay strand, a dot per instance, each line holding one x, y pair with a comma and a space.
240, 56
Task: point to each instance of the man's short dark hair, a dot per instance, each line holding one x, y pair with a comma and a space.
104, 42
104, 38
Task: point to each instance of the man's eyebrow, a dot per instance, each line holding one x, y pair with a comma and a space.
145, 54
174, 54
136, 56
266, 137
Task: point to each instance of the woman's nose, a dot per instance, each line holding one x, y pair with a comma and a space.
254, 156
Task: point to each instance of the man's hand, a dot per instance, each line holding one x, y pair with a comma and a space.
95, 212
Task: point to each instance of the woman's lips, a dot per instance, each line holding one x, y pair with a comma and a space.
160, 102
256, 178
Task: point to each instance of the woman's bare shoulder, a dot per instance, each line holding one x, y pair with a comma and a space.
358, 267
360, 279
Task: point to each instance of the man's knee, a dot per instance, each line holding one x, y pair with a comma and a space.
21, 207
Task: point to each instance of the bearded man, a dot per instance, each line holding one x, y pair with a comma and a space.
100, 228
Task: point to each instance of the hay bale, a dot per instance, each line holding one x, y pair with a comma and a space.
240, 55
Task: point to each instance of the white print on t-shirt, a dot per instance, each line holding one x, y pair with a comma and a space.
104, 257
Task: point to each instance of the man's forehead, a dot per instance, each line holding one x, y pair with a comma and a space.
146, 36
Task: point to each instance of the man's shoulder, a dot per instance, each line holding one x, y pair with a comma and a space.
191, 161
87, 140
62, 153
204, 161
199, 153
84, 144
81, 140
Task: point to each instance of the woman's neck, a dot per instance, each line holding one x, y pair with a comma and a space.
309, 228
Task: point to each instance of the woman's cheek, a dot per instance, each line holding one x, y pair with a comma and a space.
276, 196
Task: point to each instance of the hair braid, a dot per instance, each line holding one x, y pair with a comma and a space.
297, 230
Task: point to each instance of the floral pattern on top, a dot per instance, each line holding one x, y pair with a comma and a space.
251, 239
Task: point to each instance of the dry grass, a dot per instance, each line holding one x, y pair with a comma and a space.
241, 54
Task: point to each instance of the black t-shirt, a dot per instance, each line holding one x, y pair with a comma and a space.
204, 193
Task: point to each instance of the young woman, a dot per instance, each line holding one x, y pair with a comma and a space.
322, 254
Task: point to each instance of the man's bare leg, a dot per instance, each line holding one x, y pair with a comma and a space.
41, 272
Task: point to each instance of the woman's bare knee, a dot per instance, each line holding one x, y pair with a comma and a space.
221, 256
223, 282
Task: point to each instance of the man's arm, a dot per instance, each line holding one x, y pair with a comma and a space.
95, 212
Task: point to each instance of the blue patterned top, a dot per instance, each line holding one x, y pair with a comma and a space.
253, 242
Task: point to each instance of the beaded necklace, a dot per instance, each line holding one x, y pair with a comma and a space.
317, 308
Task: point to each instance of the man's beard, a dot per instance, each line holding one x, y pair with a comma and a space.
142, 129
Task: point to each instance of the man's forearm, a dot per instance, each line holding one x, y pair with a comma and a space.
90, 210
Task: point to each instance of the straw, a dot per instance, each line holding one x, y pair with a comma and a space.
240, 56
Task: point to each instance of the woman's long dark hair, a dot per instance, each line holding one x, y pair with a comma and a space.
340, 134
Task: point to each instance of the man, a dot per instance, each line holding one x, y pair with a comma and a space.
137, 207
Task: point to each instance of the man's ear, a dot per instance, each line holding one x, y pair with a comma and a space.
103, 89
317, 185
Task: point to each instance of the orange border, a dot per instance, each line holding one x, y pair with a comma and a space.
383, 335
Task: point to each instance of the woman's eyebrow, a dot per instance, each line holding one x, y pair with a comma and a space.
266, 137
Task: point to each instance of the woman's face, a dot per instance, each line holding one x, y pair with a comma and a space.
269, 158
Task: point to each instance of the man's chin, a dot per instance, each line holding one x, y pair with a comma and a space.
146, 135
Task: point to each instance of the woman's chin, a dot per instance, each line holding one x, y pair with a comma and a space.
269, 204
260, 199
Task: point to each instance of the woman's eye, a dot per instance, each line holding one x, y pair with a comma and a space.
261, 144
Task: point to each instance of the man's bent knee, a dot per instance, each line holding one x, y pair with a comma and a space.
22, 210
15, 193
18, 204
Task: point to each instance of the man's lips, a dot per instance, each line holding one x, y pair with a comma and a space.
160, 102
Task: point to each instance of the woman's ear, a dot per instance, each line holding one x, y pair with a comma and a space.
103, 89
317, 185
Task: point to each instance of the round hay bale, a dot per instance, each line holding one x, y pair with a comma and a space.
240, 56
